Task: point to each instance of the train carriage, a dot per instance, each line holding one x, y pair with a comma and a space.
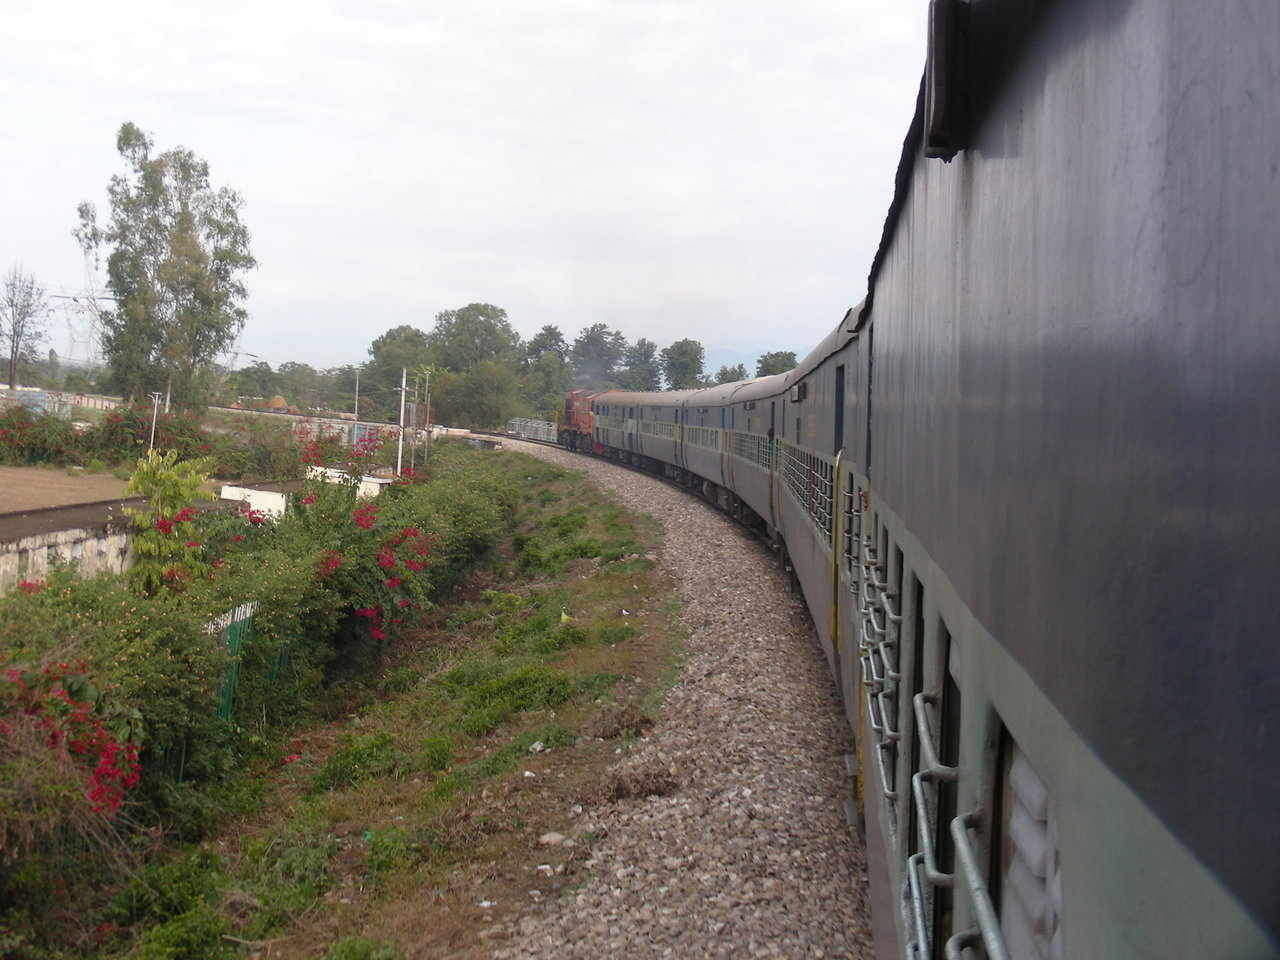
1028, 488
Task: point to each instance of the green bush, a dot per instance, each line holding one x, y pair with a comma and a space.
194, 935
162, 892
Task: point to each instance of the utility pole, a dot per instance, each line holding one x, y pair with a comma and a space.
404, 376
155, 409
357, 394
428, 407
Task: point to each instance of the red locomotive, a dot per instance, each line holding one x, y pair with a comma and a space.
577, 429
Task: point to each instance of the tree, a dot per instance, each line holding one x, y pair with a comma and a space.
23, 310
640, 367
779, 361
682, 364
545, 382
547, 340
255, 380
731, 374
178, 254
479, 332
400, 348
486, 396
299, 382
595, 355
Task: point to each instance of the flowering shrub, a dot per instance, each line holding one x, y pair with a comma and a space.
328, 591
163, 554
68, 755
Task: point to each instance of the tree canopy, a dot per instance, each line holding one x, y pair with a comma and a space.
178, 254
779, 361
547, 340
640, 367
727, 374
462, 339
682, 364
596, 354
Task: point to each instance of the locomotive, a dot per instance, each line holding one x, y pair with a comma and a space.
1028, 487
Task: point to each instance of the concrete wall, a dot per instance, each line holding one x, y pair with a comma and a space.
93, 551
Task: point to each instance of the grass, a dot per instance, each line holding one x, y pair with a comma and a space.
428, 790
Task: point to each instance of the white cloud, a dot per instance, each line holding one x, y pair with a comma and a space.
679, 169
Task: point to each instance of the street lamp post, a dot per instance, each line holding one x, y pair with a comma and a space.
155, 409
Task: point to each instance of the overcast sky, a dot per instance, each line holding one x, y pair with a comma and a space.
712, 170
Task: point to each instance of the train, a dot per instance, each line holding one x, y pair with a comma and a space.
1029, 488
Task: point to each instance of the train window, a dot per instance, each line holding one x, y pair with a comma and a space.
948, 755
1026, 875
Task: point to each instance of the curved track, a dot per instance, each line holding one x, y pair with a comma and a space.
751, 857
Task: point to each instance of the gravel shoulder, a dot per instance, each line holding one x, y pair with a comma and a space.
750, 856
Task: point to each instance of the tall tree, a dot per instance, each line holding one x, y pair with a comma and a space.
478, 332
682, 364
400, 348
178, 255
547, 340
23, 311
595, 354
640, 367
779, 361
545, 382
732, 374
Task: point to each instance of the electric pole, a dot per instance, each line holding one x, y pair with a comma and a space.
404, 376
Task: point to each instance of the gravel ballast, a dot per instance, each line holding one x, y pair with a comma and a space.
749, 854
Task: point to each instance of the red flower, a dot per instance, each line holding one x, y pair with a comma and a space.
373, 613
404, 602
292, 757
392, 582
185, 514
309, 498
236, 538
219, 564
377, 634
364, 517
164, 525
386, 559
192, 544
330, 561
255, 516
31, 586
415, 565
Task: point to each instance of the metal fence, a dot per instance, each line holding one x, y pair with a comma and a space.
532, 429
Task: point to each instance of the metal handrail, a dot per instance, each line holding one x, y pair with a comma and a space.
934, 772
935, 876
890, 793
984, 912
873, 704
894, 616
915, 893
891, 734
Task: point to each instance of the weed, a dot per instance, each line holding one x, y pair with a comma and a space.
358, 948
371, 755
491, 691
597, 683
611, 633
399, 680
436, 752
389, 849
